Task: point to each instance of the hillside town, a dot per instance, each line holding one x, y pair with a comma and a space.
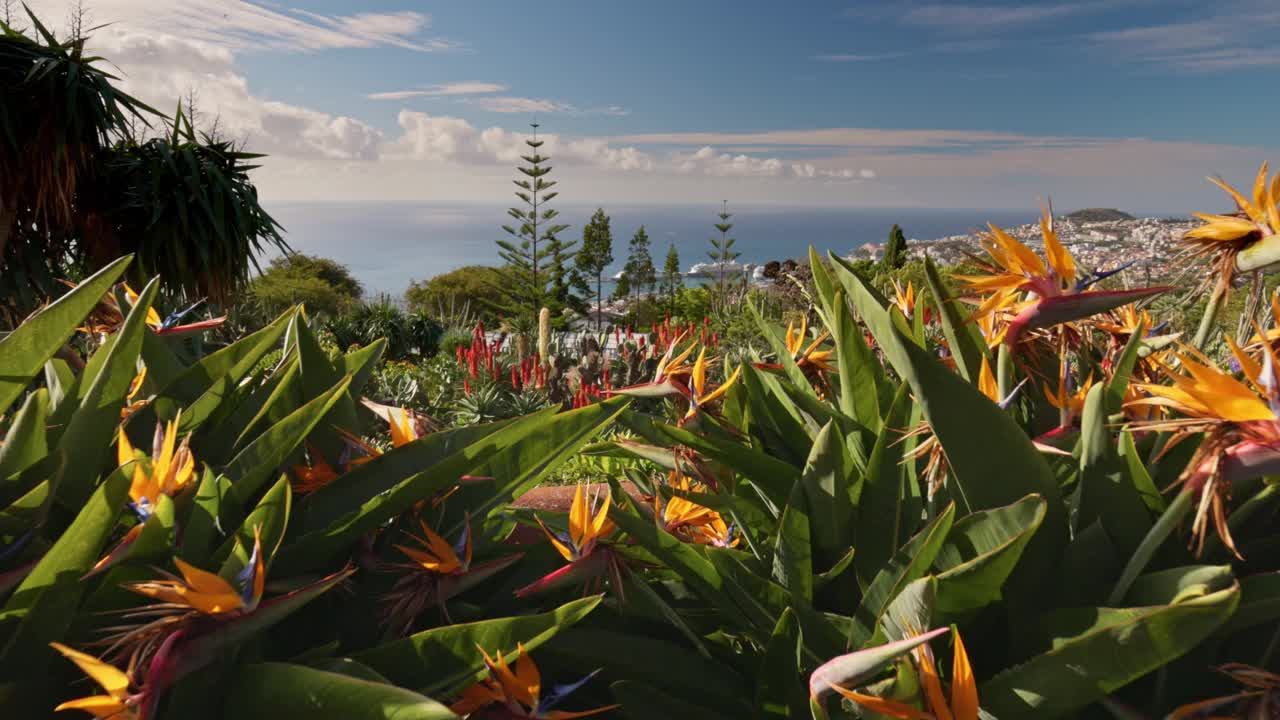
1150, 244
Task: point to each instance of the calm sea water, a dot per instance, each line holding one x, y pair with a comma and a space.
387, 246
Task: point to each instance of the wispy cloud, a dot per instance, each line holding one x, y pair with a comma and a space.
249, 26
441, 90
1237, 35
858, 57
509, 104
981, 17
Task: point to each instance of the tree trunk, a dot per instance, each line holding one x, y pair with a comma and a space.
7, 216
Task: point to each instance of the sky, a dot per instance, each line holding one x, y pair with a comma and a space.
1125, 103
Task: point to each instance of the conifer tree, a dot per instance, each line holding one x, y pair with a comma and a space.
640, 272
595, 254
537, 259
722, 251
672, 280
895, 250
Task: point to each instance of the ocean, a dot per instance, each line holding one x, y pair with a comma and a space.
387, 246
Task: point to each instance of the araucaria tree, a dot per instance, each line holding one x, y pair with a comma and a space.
595, 254
640, 272
722, 252
535, 255
672, 280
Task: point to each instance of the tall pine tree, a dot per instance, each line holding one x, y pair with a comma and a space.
672, 280
595, 254
722, 251
537, 260
641, 274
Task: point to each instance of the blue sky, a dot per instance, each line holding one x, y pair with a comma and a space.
987, 104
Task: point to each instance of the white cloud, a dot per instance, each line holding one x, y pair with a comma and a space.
160, 68
441, 90
809, 170
523, 105
248, 26
1237, 35
707, 160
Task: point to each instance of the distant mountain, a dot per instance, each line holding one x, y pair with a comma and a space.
1098, 215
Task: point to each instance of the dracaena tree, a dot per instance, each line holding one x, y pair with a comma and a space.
535, 256
83, 181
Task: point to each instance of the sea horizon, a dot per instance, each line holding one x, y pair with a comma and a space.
388, 245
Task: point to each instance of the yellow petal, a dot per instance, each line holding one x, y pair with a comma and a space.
528, 676
203, 581
1064, 266
579, 516
964, 688
1260, 193
115, 682
402, 432
700, 372
720, 391
987, 381
1241, 204
599, 523
560, 547
100, 706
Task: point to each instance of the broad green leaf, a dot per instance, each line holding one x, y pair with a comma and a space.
964, 339
235, 360
775, 417
793, 552
969, 426
60, 381
882, 526
367, 480
856, 668
981, 551
825, 482
251, 467
1259, 602
93, 425
1121, 370
270, 518
521, 466
641, 701
639, 657
25, 444
45, 603
860, 373
1097, 651
281, 690
201, 527
781, 691
907, 565
1139, 475
446, 658
28, 511
1107, 492
24, 351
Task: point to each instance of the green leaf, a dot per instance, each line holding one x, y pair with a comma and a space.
1139, 475
93, 425
201, 527
45, 603
793, 553
25, 444
281, 690
1121, 370
249, 469
860, 373
641, 701
636, 657
907, 565
969, 425
882, 526
443, 659
520, 466
270, 518
856, 668
1107, 493
235, 360
1097, 651
981, 551
24, 351
780, 687
964, 339
1259, 602
825, 483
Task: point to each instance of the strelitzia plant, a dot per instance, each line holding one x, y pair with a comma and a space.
590, 558
689, 521
517, 692
1042, 293
960, 704
436, 571
1241, 242
118, 704
1239, 422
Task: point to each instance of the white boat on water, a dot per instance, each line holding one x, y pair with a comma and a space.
714, 270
